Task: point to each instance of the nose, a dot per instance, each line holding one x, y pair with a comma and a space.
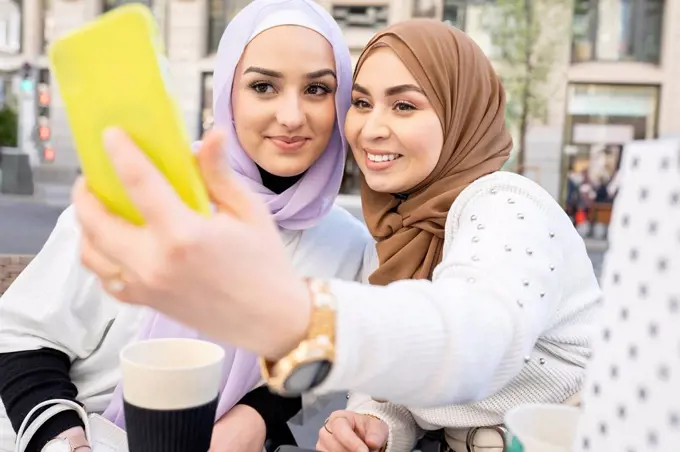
375, 127
290, 113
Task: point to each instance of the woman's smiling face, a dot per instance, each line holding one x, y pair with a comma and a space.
283, 99
395, 134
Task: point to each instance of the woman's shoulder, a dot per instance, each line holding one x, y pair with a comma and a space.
340, 224
336, 246
507, 207
506, 191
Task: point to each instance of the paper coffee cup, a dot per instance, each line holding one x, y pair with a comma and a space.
170, 392
541, 428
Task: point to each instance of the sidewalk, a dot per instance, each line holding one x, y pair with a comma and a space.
59, 195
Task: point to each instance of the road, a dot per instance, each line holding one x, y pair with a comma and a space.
25, 225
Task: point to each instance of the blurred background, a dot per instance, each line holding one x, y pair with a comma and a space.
583, 78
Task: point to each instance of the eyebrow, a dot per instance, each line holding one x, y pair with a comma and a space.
391, 91
276, 74
322, 73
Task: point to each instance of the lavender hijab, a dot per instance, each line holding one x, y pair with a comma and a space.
301, 206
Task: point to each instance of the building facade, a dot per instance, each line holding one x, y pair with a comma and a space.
618, 79
192, 31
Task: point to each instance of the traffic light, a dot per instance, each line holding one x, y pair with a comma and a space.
44, 126
43, 95
26, 78
48, 154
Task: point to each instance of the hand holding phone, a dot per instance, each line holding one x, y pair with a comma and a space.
112, 73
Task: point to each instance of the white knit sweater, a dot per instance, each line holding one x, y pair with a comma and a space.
506, 319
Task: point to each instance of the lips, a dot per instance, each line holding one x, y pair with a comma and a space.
288, 144
288, 140
378, 160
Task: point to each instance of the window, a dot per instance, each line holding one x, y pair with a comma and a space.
358, 16
454, 13
424, 9
158, 8
10, 27
600, 120
617, 30
220, 13
111, 4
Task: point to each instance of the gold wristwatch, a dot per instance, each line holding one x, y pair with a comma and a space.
308, 365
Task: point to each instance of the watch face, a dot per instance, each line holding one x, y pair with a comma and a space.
307, 376
57, 445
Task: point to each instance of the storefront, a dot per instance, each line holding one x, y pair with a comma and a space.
600, 120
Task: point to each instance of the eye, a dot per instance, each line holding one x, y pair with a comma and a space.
262, 87
404, 106
360, 104
318, 89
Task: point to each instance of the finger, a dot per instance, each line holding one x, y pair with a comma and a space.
343, 432
111, 275
328, 443
376, 432
148, 189
105, 232
225, 189
97, 263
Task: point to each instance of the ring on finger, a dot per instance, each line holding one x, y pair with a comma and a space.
325, 425
116, 283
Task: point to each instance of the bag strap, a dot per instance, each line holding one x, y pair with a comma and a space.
56, 406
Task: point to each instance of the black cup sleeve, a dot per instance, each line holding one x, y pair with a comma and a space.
185, 430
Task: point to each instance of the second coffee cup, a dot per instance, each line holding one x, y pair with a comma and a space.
170, 392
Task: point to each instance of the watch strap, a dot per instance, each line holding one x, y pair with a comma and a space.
319, 341
76, 443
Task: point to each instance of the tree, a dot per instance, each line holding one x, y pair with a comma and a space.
9, 126
528, 37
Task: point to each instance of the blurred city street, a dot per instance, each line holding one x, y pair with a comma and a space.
25, 223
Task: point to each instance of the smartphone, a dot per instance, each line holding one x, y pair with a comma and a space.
113, 72
293, 449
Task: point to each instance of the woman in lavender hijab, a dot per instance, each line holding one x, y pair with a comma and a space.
281, 91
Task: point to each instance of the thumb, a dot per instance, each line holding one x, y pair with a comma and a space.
224, 189
376, 432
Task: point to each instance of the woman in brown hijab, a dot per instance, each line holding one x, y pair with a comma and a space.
428, 131
481, 294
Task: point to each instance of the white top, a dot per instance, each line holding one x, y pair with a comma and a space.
506, 319
632, 393
57, 303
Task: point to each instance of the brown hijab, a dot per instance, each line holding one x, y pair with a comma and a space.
468, 97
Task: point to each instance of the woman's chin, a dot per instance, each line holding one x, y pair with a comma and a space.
290, 169
382, 184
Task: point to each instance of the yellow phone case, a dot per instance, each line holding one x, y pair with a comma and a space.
112, 72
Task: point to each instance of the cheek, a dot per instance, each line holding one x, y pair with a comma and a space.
353, 124
425, 140
322, 116
250, 116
